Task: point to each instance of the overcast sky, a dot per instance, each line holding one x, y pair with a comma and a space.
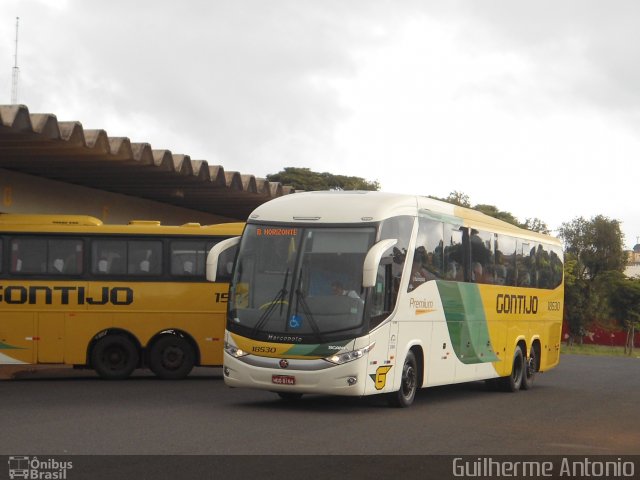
532, 106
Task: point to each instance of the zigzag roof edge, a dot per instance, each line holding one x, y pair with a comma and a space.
72, 134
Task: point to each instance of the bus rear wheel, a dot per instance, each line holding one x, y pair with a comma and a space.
513, 382
530, 369
114, 357
171, 357
408, 385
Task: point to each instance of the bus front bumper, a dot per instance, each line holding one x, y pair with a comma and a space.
298, 377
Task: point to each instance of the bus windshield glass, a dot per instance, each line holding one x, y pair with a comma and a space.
299, 282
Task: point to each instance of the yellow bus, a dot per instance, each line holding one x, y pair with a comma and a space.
111, 297
360, 293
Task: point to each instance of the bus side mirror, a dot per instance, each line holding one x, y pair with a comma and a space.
214, 254
372, 260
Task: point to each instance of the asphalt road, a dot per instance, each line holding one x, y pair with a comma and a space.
586, 406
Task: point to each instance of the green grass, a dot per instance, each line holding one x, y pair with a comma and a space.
601, 350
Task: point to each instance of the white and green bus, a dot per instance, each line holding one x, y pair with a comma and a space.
360, 293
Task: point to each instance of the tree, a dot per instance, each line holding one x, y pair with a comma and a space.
306, 179
598, 244
458, 198
536, 225
575, 300
624, 303
594, 252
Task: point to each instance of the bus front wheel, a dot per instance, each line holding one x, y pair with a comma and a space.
114, 357
408, 385
171, 357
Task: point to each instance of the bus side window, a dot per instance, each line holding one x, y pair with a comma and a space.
144, 257
453, 253
557, 266
29, 255
188, 257
505, 260
15, 261
108, 257
225, 265
482, 257
427, 261
391, 267
524, 259
65, 256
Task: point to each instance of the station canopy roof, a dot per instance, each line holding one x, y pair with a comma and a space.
38, 144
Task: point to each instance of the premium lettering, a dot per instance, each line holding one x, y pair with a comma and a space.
417, 303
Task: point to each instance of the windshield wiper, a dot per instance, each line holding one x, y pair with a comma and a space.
277, 300
300, 299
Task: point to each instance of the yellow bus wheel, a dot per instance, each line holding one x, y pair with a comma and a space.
114, 356
171, 357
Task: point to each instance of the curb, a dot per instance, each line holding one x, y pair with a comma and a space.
10, 372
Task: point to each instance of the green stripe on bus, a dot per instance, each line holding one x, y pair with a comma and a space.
441, 217
317, 350
6, 346
466, 322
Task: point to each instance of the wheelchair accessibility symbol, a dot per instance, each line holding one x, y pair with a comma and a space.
295, 322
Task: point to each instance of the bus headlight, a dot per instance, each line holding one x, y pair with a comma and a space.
345, 357
234, 351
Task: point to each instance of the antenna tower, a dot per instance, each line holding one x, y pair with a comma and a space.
16, 71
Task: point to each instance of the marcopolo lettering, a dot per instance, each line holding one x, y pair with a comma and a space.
517, 304
66, 295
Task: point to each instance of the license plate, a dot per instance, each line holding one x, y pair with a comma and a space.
283, 379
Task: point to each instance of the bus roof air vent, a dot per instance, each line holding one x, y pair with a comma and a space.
148, 223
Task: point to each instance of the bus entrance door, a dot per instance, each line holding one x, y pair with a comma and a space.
380, 369
51, 337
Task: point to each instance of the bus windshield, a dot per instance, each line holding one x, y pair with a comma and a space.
299, 282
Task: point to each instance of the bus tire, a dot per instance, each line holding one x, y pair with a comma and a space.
530, 369
171, 357
408, 384
513, 382
114, 357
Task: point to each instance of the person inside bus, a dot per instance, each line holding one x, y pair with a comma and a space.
501, 275
144, 266
524, 279
337, 288
454, 271
187, 267
57, 266
419, 274
103, 265
476, 273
